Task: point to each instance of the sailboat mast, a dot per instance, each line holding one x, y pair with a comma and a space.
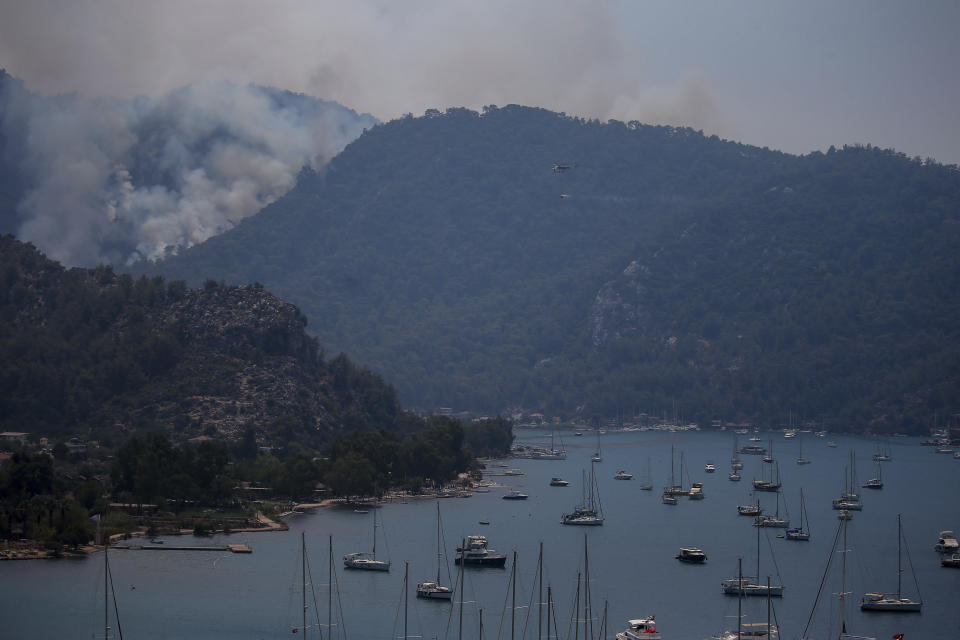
406, 573
576, 611
106, 592
463, 547
739, 596
438, 542
330, 590
899, 569
374, 533
303, 591
540, 596
587, 604
513, 604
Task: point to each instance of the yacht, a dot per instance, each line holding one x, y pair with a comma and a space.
696, 493
692, 555
640, 629
947, 543
622, 475
434, 591
750, 509
752, 631
475, 552
513, 494
558, 482
669, 499
734, 476
709, 467
753, 449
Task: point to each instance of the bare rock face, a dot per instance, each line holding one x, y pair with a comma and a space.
618, 308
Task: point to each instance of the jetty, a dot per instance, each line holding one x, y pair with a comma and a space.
233, 548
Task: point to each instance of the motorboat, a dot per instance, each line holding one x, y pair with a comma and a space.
947, 543
558, 482
513, 494
734, 476
692, 555
669, 498
753, 449
709, 467
748, 586
696, 493
622, 475
640, 629
951, 561
513, 472
750, 509
476, 553
434, 591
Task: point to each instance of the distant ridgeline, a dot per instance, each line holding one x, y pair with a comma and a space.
524, 258
94, 353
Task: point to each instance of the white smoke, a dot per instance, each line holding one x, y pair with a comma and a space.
118, 180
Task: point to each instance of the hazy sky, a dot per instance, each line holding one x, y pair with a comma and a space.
795, 76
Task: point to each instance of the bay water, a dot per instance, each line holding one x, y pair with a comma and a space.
632, 566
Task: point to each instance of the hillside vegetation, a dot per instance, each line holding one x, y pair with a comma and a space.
662, 271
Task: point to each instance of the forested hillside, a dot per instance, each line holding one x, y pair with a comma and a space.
523, 258
99, 355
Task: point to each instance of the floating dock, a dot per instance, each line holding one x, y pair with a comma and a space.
233, 548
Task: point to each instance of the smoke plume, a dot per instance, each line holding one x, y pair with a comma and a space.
114, 181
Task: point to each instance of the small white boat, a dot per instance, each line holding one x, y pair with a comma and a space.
696, 493
669, 498
622, 475
513, 472
558, 482
513, 494
734, 476
434, 591
640, 629
709, 467
750, 509
691, 555
946, 543
832, 444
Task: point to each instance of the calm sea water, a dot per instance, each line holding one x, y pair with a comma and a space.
173, 594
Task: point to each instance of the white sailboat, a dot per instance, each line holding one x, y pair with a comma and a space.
801, 533
750, 585
894, 602
107, 591
589, 512
364, 560
434, 590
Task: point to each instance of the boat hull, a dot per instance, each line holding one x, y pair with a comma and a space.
496, 560
891, 604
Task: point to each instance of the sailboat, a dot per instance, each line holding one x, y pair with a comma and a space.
893, 601
751, 630
589, 512
849, 500
750, 585
646, 485
767, 520
875, 483
434, 590
596, 457
801, 533
735, 463
768, 485
842, 594
800, 458
364, 560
